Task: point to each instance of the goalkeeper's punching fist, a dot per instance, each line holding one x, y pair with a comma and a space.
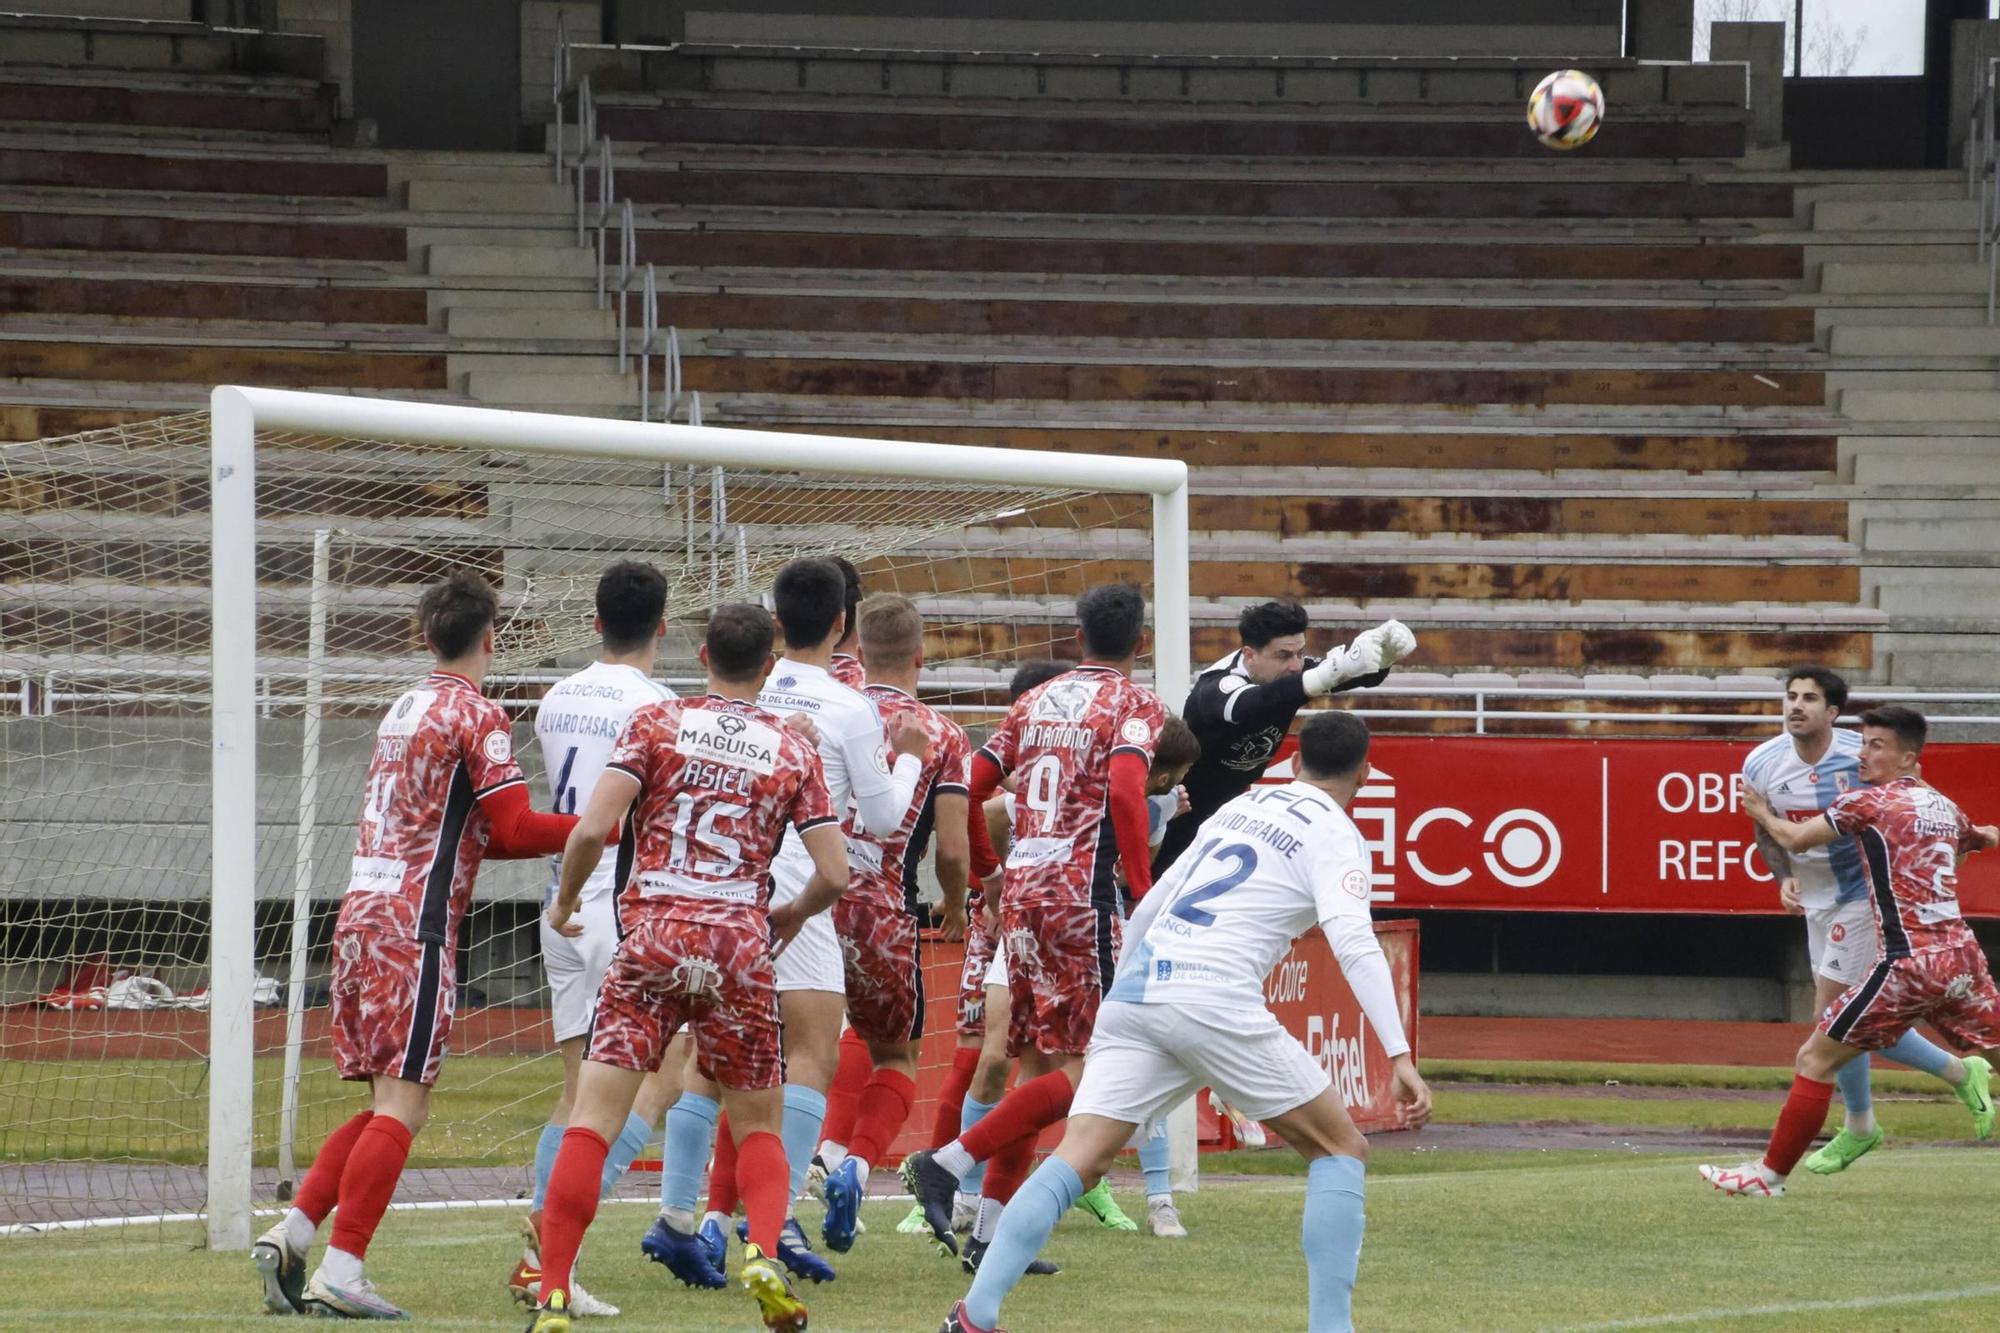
1241, 707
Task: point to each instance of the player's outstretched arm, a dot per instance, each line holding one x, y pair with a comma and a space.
584, 848
1789, 836
828, 849
952, 857
1129, 769
1363, 663
519, 831
983, 777
881, 800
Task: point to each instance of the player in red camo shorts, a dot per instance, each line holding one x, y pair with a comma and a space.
716, 781
444, 793
1928, 966
877, 919
1082, 747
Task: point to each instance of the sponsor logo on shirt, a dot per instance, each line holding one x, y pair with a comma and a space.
375, 874
728, 738
408, 712
1064, 700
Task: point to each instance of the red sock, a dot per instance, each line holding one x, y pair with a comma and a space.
951, 1097
320, 1190
764, 1179
1027, 1110
1006, 1169
367, 1183
722, 1195
571, 1203
1804, 1113
885, 1105
843, 1099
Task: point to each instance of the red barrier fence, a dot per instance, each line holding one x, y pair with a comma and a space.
1498, 823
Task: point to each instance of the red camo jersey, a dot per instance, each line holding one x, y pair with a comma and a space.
718, 779
1910, 835
884, 869
1059, 738
846, 668
441, 748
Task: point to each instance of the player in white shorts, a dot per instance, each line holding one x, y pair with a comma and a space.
1800, 773
1187, 1009
878, 775
578, 722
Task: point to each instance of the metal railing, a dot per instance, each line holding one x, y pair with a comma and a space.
559, 85
39, 693
1982, 180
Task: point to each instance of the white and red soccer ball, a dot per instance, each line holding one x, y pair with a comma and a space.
1565, 109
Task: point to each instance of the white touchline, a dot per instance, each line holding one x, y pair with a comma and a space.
424, 1206
1790, 1307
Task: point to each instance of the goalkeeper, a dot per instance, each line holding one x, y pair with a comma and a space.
1241, 707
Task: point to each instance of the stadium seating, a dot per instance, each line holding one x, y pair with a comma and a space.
1561, 413
1565, 414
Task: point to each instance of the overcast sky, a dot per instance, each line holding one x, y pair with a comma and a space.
1893, 43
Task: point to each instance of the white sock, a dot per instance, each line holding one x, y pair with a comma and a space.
988, 1220
340, 1268
962, 1200
299, 1230
861, 1170
1861, 1123
832, 1154
720, 1219
954, 1158
680, 1219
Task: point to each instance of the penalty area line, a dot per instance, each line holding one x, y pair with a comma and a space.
1790, 1307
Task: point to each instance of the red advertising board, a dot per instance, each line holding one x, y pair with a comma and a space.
1310, 996
1520, 824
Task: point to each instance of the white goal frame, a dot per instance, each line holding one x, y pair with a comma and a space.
238, 413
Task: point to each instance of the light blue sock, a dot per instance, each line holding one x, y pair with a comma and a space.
1332, 1240
690, 1136
1913, 1050
970, 1114
1153, 1161
805, 1112
546, 1148
631, 1140
1024, 1228
1853, 1083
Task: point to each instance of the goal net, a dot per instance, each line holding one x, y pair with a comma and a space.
165, 924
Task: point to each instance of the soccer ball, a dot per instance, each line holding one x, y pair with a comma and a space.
1565, 109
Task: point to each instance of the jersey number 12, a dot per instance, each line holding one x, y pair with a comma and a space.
1188, 906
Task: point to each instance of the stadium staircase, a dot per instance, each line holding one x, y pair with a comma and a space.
1574, 418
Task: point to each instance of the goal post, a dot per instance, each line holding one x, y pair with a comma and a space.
239, 415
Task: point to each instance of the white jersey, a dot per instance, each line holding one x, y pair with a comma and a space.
854, 757
578, 723
1262, 870
1830, 875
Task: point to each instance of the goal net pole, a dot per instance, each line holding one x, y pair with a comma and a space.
238, 413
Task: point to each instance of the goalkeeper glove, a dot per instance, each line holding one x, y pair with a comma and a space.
1372, 651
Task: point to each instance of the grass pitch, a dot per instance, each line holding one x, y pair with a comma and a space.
1457, 1239
1574, 1245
